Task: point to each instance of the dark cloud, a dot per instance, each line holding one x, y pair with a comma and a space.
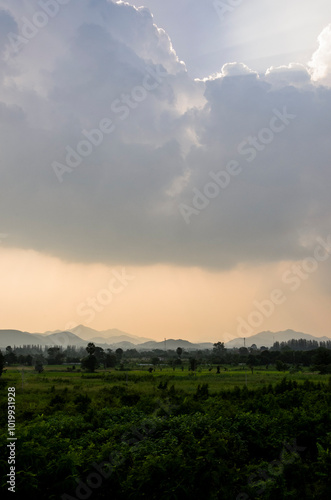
123, 201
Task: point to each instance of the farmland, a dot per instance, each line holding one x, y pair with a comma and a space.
170, 434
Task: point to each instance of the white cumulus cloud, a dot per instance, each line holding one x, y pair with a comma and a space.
320, 63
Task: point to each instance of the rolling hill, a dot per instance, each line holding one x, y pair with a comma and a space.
268, 338
107, 336
173, 344
114, 338
16, 337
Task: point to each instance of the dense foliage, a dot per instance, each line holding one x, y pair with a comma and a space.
150, 438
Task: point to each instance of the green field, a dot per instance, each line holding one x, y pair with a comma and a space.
144, 382
169, 434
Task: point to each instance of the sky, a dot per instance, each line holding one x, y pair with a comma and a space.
165, 166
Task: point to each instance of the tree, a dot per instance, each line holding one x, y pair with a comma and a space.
176, 362
219, 353
21, 359
100, 355
280, 366
322, 360
28, 360
251, 362
193, 364
131, 353
155, 361
39, 367
90, 348
55, 356
179, 352
243, 351
266, 357
2, 363
322, 356
119, 354
110, 359
219, 348
10, 356
90, 363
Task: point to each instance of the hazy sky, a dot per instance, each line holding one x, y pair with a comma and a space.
165, 166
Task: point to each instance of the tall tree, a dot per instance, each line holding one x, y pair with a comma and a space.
179, 352
10, 356
90, 362
100, 355
219, 348
2, 363
119, 353
39, 367
90, 348
193, 364
55, 356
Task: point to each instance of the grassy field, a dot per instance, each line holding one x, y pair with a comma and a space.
57, 378
169, 435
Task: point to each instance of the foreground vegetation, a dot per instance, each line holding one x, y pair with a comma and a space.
240, 434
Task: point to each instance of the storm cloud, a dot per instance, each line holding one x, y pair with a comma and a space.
106, 140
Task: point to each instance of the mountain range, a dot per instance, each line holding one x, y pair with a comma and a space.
268, 338
114, 339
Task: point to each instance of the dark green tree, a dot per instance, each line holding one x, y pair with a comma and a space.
110, 359
28, 360
155, 361
179, 352
322, 356
2, 363
280, 366
119, 354
219, 348
193, 363
218, 353
251, 362
39, 367
90, 362
55, 356
10, 356
100, 355
322, 360
90, 348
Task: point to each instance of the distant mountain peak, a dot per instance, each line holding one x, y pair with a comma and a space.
268, 338
81, 334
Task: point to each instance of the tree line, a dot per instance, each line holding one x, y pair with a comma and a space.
293, 355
